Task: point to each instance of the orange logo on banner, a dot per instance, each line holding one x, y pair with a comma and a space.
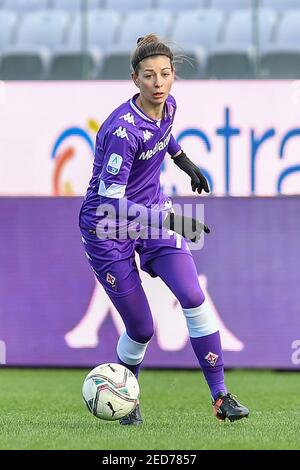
63, 158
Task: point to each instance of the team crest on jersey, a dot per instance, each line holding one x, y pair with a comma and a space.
211, 358
111, 280
121, 132
171, 111
129, 118
147, 135
114, 164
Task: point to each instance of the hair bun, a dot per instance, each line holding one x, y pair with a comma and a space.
140, 40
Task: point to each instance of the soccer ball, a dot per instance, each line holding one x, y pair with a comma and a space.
110, 391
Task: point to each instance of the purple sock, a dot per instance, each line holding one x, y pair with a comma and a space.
136, 315
135, 369
180, 274
208, 350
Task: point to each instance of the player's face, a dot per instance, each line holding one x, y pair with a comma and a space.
155, 79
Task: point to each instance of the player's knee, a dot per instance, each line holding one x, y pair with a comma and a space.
143, 334
142, 331
192, 297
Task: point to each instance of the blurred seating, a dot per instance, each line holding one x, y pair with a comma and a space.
21, 6
8, 22
92, 34
289, 28
235, 57
180, 5
38, 34
281, 63
125, 6
231, 63
75, 65
193, 33
75, 5
116, 65
197, 28
138, 24
211, 38
281, 58
247, 27
230, 5
97, 29
280, 5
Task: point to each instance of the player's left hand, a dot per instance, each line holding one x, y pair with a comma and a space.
198, 180
189, 227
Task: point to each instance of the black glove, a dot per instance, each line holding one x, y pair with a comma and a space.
186, 226
198, 179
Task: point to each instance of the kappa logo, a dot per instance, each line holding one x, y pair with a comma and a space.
111, 280
211, 358
147, 135
121, 132
129, 118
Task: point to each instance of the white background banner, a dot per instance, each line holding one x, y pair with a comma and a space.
244, 135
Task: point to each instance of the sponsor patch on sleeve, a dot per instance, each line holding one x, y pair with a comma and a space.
114, 164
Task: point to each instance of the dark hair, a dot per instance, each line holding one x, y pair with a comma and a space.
149, 46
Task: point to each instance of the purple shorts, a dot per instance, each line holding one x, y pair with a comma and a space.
113, 260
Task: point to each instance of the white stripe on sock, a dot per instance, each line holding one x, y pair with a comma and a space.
129, 351
200, 320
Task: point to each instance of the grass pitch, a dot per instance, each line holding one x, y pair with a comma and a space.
43, 409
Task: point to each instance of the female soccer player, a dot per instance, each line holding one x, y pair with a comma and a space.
130, 147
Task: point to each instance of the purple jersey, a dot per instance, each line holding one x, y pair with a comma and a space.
130, 148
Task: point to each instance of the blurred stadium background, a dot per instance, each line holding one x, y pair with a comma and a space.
92, 39
64, 65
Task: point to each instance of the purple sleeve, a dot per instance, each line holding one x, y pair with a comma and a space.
125, 209
173, 146
119, 152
